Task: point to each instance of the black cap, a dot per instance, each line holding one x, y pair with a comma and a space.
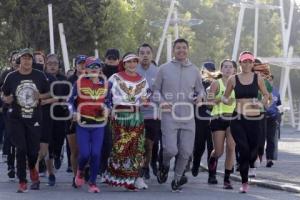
112, 54
210, 66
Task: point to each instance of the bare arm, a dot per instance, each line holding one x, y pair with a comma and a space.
263, 90
213, 90
228, 90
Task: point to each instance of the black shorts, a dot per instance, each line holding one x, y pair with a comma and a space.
219, 124
152, 129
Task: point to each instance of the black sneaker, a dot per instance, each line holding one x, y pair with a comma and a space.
227, 185
11, 173
162, 175
176, 185
146, 173
35, 185
269, 164
195, 171
57, 163
212, 180
51, 180
69, 169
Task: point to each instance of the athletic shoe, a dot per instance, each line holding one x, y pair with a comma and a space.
69, 170
22, 187
140, 184
11, 174
227, 185
195, 171
35, 185
252, 173
269, 164
244, 188
79, 179
51, 180
162, 175
57, 162
93, 188
176, 185
212, 180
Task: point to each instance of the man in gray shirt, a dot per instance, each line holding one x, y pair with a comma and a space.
152, 124
179, 86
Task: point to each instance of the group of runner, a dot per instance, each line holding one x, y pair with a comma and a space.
125, 115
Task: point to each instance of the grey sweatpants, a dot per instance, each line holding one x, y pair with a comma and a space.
180, 142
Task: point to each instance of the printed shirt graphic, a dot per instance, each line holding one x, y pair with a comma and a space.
27, 97
25, 90
128, 92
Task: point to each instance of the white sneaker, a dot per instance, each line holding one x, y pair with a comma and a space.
140, 184
252, 172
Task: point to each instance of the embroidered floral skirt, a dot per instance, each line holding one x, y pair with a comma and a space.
126, 158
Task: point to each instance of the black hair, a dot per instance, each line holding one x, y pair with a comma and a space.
180, 40
246, 52
12, 54
228, 60
257, 61
145, 45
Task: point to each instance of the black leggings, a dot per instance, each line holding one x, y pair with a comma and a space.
202, 137
271, 134
245, 132
57, 138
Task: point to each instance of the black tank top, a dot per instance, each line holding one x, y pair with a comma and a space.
246, 91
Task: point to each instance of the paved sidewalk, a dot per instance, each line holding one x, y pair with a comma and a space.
285, 173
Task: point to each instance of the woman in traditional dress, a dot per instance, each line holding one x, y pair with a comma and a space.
127, 91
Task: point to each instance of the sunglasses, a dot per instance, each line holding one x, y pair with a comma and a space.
93, 67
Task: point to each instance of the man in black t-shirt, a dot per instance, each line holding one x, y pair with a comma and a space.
23, 89
8, 148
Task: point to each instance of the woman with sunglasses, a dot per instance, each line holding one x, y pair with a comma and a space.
246, 116
87, 101
128, 91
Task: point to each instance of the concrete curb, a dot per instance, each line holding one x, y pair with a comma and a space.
288, 187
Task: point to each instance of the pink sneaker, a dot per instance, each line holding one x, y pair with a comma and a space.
93, 188
79, 179
244, 188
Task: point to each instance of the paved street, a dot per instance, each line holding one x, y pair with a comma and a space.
285, 171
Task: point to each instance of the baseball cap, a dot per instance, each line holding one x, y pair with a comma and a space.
80, 58
92, 61
112, 54
210, 66
26, 51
